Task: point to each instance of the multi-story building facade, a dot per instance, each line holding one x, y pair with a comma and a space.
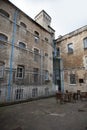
26, 61
73, 54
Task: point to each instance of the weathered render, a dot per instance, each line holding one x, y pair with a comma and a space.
26, 61
73, 53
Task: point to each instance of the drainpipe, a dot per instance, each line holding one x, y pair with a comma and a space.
62, 75
12, 54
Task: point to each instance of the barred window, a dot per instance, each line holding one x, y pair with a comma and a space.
72, 79
4, 13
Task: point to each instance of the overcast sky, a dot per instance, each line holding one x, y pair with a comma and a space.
67, 15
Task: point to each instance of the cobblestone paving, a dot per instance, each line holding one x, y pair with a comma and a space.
44, 114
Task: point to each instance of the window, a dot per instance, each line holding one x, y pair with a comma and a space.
46, 75
1, 70
36, 54
19, 94
4, 13
22, 45
70, 48
81, 81
36, 71
23, 25
58, 52
3, 37
46, 91
20, 71
36, 36
34, 92
85, 42
46, 54
46, 39
72, 79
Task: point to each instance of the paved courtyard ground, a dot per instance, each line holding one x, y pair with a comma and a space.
44, 114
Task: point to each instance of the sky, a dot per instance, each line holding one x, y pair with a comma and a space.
67, 15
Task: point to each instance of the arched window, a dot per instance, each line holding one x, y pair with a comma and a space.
22, 45
85, 42
23, 25
36, 33
3, 12
3, 37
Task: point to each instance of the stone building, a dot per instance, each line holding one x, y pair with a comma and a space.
26, 61
73, 54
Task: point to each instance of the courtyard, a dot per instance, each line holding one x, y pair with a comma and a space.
44, 114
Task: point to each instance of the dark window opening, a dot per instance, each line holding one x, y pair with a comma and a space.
3, 37
23, 25
3, 12
22, 45
81, 81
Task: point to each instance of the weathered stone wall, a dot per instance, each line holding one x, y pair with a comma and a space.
74, 62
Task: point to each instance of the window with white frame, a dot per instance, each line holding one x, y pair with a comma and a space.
20, 72
72, 79
85, 42
36, 36
4, 13
70, 47
1, 70
3, 37
22, 45
19, 94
